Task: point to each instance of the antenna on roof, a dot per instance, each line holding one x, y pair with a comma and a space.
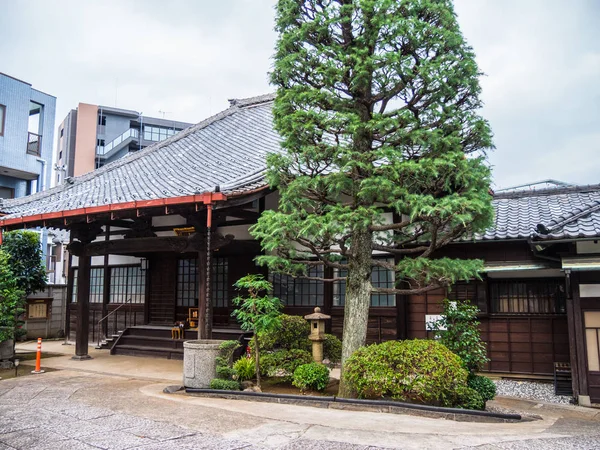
164, 113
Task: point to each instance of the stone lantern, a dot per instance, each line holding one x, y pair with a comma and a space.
317, 333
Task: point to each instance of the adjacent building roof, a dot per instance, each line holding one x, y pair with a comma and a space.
557, 213
229, 150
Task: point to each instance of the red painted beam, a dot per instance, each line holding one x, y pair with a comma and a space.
207, 198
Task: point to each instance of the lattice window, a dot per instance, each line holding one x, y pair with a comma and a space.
472, 291
96, 284
220, 282
299, 291
540, 296
380, 278
127, 282
74, 295
187, 282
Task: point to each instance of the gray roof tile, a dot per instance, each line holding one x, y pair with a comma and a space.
229, 150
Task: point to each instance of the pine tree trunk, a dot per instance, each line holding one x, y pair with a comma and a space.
358, 300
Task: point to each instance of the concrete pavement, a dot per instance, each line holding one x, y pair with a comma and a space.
117, 402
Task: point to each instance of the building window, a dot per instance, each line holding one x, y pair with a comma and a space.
100, 142
380, 278
96, 284
74, 294
102, 120
471, 291
539, 296
2, 119
299, 291
6, 192
62, 132
158, 134
592, 339
220, 282
187, 282
127, 284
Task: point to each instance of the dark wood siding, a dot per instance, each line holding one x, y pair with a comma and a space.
161, 298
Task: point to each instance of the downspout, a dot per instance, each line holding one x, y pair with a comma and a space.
43, 177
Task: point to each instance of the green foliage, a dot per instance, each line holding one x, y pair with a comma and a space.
378, 110
224, 361
25, 259
469, 398
283, 363
244, 369
224, 385
332, 348
255, 312
418, 371
311, 376
483, 385
12, 301
290, 333
458, 329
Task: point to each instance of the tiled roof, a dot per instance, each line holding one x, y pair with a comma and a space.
562, 213
227, 150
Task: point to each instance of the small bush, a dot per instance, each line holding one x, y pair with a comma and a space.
469, 398
311, 376
225, 372
418, 371
292, 333
224, 385
283, 362
483, 385
332, 348
244, 368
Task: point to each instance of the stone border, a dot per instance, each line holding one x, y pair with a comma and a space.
381, 406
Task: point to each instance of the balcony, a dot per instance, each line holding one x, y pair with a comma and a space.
34, 144
118, 143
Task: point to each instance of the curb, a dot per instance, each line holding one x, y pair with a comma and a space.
385, 406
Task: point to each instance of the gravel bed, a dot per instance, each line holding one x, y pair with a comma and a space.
531, 390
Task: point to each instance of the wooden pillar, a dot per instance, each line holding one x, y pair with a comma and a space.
579, 338
572, 338
327, 296
83, 307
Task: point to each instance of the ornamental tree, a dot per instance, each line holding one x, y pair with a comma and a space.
11, 301
26, 260
257, 311
377, 107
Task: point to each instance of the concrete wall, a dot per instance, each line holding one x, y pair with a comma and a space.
14, 160
85, 144
65, 147
54, 327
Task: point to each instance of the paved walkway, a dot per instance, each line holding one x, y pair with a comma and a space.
90, 408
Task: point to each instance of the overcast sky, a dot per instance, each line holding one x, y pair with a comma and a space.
187, 57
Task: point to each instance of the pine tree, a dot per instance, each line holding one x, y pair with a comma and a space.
377, 106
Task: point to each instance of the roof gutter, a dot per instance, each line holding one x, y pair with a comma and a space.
533, 246
207, 198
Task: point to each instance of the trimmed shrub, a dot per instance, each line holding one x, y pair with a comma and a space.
244, 369
418, 371
283, 362
225, 372
224, 385
332, 348
225, 359
292, 333
483, 385
469, 398
311, 376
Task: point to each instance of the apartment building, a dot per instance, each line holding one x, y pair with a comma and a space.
26, 138
91, 136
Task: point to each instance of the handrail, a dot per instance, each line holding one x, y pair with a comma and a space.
108, 315
131, 132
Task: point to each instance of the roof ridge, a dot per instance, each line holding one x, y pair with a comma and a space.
547, 191
242, 102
